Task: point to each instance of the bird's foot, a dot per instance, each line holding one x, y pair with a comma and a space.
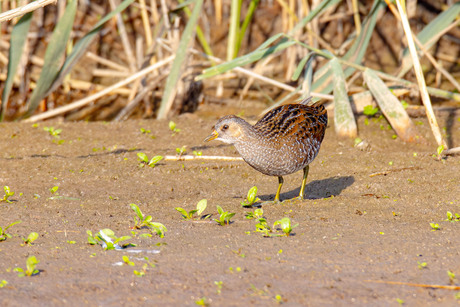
293, 200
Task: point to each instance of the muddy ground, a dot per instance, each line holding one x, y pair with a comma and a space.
365, 220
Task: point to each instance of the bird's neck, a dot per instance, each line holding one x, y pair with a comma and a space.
250, 139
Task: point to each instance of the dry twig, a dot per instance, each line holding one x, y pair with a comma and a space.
190, 157
414, 285
22, 10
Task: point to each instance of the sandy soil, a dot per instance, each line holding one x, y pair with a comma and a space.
365, 222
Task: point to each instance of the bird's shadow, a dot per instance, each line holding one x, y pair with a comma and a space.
317, 189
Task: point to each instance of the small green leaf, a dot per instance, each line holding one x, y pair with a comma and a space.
91, 239
201, 206
31, 262
142, 157
183, 212
32, 237
148, 219
137, 211
252, 194
440, 149
12, 224
108, 232
120, 239
370, 110
172, 125
54, 189
155, 160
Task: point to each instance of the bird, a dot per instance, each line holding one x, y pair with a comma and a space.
285, 140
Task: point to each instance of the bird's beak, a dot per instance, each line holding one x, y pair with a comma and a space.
212, 136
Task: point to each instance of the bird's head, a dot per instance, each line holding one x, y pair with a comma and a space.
229, 129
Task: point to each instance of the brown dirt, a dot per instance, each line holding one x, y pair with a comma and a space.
374, 229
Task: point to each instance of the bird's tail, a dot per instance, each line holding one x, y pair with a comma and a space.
308, 102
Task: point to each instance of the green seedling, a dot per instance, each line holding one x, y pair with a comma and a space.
202, 301
357, 141
439, 151
422, 265
197, 153
224, 216
142, 157
453, 218
434, 226
278, 299
3, 234
30, 239
237, 269
370, 110
173, 128
181, 151
3, 283
263, 227
31, 263
146, 221
150, 263
400, 301
200, 207
53, 132
8, 194
285, 224
142, 272
148, 132
127, 261
258, 291
219, 285
405, 104
91, 239
108, 240
54, 190
142, 235
251, 198
451, 277
257, 214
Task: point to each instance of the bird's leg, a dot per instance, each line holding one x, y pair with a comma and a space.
277, 196
304, 181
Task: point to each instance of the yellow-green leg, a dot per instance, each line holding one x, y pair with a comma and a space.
277, 196
304, 181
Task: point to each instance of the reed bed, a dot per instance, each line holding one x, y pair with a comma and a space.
114, 60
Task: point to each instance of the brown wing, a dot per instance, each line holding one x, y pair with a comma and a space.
294, 121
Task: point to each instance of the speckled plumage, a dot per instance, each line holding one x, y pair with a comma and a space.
286, 140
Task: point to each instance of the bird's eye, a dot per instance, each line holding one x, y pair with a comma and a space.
224, 127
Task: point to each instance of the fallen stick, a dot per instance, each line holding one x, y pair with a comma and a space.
22, 10
384, 173
414, 285
452, 151
190, 157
